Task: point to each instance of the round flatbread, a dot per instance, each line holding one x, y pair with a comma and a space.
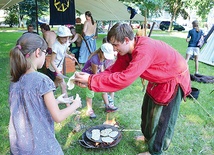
113, 134
70, 82
95, 134
107, 139
105, 132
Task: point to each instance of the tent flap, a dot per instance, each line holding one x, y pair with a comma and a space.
207, 53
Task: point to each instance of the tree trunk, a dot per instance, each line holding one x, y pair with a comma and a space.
145, 21
170, 26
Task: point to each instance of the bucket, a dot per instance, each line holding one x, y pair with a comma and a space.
195, 93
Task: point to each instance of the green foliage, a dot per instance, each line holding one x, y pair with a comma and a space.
12, 16
28, 9
204, 7
11, 19
150, 6
175, 8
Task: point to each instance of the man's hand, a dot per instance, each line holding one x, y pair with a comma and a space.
81, 79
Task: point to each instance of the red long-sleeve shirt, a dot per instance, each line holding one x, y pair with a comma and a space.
152, 60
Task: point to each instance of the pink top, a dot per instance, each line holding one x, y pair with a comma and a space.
152, 60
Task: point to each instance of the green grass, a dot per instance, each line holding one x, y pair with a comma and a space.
194, 132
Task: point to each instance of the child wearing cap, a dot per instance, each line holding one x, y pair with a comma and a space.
59, 52
108, 97
94, 65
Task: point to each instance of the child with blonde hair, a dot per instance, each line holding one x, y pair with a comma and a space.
193, 37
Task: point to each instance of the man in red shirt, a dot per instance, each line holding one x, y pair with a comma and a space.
168, 81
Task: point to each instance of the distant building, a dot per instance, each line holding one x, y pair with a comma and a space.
2, 16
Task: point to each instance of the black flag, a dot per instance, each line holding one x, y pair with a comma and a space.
62, 12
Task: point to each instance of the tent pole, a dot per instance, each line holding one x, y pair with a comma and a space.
37, 30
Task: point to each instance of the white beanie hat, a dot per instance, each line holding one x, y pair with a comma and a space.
108, 51
63, 31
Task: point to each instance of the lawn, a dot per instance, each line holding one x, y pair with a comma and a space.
194, 132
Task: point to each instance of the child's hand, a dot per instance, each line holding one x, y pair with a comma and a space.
72, 58
67, 100
77, 101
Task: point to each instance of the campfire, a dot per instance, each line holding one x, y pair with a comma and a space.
111, 122
105, 135
102, 136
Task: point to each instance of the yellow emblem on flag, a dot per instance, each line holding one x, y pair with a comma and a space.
60, 6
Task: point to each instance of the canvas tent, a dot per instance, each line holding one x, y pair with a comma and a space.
207, 53
7, 3
101, 9
106, 10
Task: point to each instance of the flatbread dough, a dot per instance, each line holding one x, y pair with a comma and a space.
70, 82
106, 132
95, 134
113, 134
107, 139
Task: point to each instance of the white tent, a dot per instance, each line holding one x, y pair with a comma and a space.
7, 3
106, 9
100, 9
207, 53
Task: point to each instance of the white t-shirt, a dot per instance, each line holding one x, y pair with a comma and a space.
60, 50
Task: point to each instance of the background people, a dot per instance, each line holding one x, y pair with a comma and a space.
30, 29
89, 39
33, 107
49, 36
168, 81
77, 40
141, 31
193, 37
79, 26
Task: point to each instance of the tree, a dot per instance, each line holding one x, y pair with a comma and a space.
203, 7
28, 9
175, 8
12, 16
147, 7
178, 7
11, 19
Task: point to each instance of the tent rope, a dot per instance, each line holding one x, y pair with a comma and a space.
202, 107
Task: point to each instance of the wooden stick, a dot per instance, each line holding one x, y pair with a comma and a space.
202, 107
130, 130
